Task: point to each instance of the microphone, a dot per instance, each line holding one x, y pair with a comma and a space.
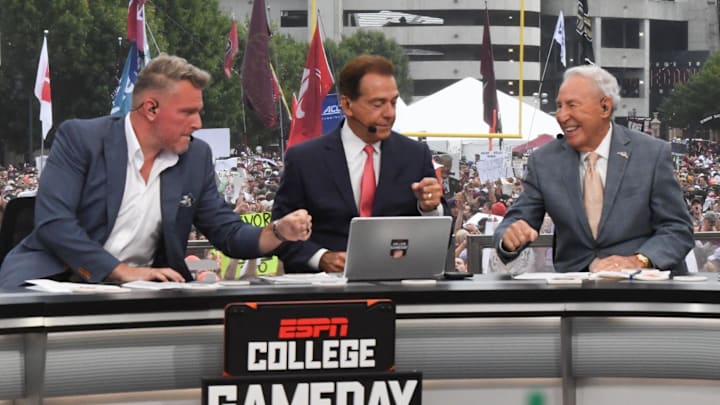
372, 129
560, 136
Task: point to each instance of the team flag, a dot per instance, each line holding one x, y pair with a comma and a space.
491, 111
260, 90
559, 37
232, 49
584, 54
138, 56
316, 82
42, 90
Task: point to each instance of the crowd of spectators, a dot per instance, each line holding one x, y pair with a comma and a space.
251, 185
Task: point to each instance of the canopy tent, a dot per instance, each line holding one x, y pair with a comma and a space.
535, 143
458, 109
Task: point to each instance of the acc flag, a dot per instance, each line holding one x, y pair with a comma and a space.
559, 37
42, 90
491, 112
316, 82
232, 48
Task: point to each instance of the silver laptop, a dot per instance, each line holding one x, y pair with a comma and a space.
397, 248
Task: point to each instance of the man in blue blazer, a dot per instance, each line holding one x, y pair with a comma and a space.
323, 175
643, 222
118, 195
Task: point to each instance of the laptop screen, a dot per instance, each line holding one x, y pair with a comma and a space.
397, 248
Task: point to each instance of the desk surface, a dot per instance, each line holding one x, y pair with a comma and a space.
481, 290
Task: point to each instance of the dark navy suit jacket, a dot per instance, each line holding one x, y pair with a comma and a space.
79, 196
316, 178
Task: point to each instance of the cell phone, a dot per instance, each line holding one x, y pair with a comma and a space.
457, 275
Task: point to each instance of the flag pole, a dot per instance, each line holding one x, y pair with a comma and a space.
540, 86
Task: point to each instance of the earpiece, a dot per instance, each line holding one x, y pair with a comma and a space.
604, 107
153, 109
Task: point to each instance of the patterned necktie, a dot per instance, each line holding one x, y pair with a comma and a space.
592, 193
367, 184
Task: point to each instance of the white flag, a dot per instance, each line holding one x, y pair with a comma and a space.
42, 90
559, 36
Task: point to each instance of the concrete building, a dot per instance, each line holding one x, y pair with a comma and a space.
650, 45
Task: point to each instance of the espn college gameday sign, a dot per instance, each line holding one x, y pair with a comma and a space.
311, 352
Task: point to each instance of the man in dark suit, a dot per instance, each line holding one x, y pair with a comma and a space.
642, 220
118, 195
324, 175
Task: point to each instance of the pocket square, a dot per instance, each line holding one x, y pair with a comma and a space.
623, 154
187, 200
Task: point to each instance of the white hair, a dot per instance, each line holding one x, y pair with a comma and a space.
605, 81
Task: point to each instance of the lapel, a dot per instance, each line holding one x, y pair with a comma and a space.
115, 150
570, 158
171, 185
620, 153
336, 167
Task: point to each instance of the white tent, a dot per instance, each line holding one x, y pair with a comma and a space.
458, 109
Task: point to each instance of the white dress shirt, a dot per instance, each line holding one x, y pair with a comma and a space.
136, 232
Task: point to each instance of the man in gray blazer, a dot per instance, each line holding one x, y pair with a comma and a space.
118, 195
643, 221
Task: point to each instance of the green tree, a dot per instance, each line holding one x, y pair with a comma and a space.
372, 42
695, 99
82, 48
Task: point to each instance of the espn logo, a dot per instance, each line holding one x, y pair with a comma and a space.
304, 328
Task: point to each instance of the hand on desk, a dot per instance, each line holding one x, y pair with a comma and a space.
124, 273
615, 263
332, 262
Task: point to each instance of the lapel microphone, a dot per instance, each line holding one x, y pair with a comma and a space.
560, 136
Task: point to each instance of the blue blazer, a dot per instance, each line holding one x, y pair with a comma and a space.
316, 178
79, 196
643, 207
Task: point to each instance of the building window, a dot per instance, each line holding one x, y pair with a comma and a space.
294, 18
620, 33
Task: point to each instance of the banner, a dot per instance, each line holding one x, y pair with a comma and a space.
332, 114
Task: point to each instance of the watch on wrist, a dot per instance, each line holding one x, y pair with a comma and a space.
276, 231
646, 263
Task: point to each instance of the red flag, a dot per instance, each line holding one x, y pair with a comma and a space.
42, 90
136, 24
491, 112
259, 86
316, 82
231, 50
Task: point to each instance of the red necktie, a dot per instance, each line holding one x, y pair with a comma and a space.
367, 184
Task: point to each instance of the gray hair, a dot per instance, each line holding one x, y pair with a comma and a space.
165, 70
604, 80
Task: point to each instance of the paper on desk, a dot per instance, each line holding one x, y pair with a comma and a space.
552, 275
168, 285
632, 274
46, 285
305, 279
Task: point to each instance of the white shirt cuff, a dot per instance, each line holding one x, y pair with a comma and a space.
314, 261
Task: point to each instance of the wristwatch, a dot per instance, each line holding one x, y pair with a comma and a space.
646, 263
